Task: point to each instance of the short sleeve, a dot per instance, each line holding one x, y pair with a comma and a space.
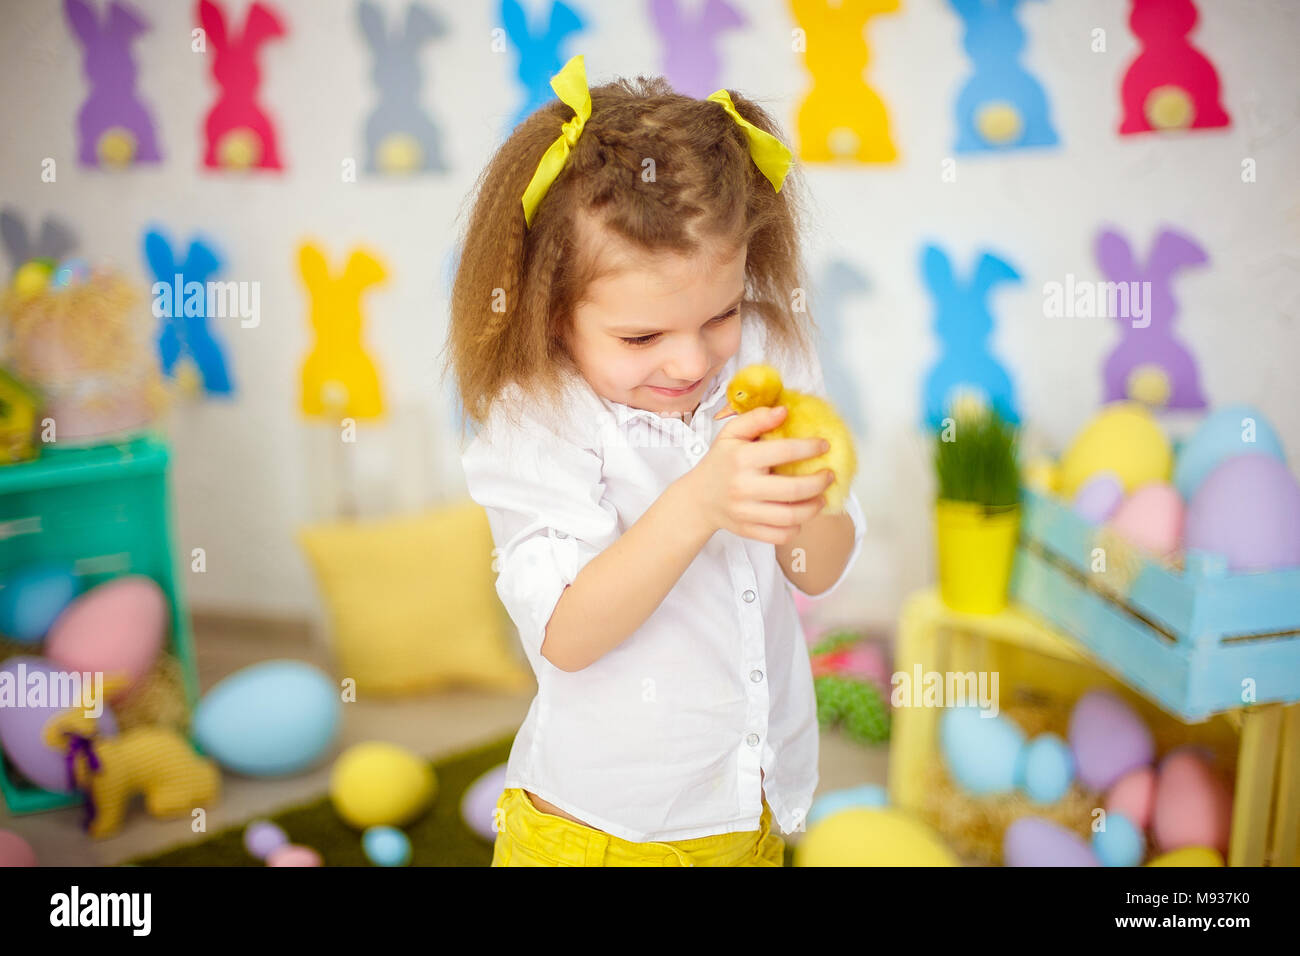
544, 499
803, 373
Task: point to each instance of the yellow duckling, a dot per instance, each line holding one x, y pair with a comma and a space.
807, 416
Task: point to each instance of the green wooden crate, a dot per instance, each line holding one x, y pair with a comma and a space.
106, 510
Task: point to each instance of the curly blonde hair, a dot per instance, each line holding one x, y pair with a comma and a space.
516, 289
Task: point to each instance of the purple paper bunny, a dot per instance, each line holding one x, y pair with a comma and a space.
1148, 345
692, 63
112, 105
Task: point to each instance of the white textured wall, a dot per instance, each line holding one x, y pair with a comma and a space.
248, 471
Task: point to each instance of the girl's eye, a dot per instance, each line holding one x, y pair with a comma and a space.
647, 339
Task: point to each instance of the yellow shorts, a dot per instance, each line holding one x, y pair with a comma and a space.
529, 837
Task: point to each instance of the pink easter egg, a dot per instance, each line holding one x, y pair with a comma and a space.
1248, 510
1108, 739
1133, 795
115, 628
1192, 806
1151, 518
294, 854
15, 851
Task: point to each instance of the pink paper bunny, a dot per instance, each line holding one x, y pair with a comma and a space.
239, 133
1169, 68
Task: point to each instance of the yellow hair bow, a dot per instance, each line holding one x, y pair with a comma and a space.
771, 156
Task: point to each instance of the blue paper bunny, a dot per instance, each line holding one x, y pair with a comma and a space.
1001, 106
182, 334
964, 323
539, 55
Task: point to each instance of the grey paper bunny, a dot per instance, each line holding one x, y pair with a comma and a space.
55, 241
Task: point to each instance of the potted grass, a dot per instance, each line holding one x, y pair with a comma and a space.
977, 514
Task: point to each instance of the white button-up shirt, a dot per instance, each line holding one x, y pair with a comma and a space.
663, 738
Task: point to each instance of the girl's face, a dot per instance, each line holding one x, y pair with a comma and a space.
661, 325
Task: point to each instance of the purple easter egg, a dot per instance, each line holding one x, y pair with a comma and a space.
1098, 497
262, 838
1033, 841
1108, 739
480, 800
1248, 510
29, 697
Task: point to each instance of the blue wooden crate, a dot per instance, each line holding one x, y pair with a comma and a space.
1198, 640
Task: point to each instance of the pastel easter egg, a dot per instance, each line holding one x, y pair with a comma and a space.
32, 598
872, 836
1151, 518
1098, 497
478, 804
1248, 510
15, 851
1034, 841
271, 719
386, 846
1047, 768
1121, 843
867, 795
32, 692
1123, 438
116, 628
980, 749
1189, 856
292, 854
1226, 433
261, 837
1134, 795
1108, 739
1192, 807
376, 783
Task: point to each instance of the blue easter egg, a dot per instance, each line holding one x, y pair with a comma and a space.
386, 846
1120, 844
273, 718
1046, 768
867, 795
32, 597
69, 271
1223, 434
980, 749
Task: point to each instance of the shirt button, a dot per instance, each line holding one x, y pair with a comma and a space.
697, 449
561, 534
756, 676
752, 740
749, 596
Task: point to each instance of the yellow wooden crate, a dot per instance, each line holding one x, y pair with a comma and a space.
1262, 742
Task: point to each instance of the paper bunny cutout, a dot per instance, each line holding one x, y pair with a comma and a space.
1170, 84
238, 131
539, 56
691, 63
1001, 106
181, 334
841, 118
55, 242
338, 377
964, 325
400, 137
1150, 364
113, 126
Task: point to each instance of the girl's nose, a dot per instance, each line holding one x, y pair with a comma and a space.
688, 367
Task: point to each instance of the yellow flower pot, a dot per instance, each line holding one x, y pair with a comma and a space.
976, 545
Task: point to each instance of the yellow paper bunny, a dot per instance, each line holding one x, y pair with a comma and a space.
339, 379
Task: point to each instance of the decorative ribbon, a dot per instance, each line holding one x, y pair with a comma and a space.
771, 156
83, 745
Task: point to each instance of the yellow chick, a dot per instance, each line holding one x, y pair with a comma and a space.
807, 416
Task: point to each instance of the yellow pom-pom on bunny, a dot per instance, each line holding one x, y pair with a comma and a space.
807, 416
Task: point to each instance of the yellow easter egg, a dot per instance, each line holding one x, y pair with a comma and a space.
32, 278
381, 784
1124, 438
1189, 856
872, 836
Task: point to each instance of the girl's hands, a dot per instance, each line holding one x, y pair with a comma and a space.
737, 491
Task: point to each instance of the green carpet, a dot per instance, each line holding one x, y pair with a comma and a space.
438, 838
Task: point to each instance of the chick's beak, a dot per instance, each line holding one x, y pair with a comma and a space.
726, 410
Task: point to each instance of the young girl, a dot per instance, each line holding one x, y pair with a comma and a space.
629, 250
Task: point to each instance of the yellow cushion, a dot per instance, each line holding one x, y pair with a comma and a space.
413, 603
